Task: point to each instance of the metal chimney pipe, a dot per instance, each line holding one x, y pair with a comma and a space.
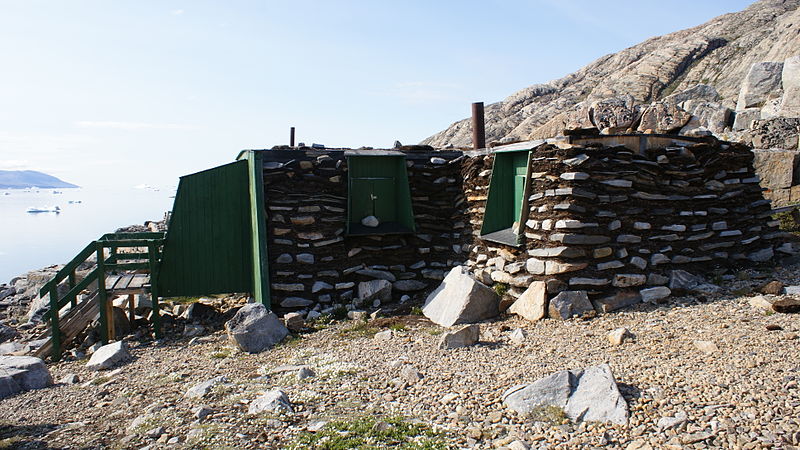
478, 126
291, 137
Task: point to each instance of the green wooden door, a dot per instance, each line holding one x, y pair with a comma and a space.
520, 172
361, 198
384, 199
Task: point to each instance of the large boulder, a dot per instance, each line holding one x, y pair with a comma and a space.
614, 114
254, 328
108, 356
22, 373
532, 304
776, 167
461, 299
790, 79
663, 118
776, 133
589, 395
760, 84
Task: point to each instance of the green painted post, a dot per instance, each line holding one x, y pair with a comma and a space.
261, 287
72, 280
153, 260
102, 298
55, 334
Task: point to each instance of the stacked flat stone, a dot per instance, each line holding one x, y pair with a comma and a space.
314, 266
613, 223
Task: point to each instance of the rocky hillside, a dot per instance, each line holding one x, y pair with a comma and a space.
20, 179
718, 53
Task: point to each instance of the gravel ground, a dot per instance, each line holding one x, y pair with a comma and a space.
743, 394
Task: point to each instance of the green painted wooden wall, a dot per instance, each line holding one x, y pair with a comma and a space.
378, 185
504, 203
208, 246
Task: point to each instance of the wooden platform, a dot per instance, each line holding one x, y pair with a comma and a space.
129, 283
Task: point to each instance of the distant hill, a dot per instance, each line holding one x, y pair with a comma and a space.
718, 53
20, 179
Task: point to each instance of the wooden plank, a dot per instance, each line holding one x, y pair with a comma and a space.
138, 281
74, 322
110, 281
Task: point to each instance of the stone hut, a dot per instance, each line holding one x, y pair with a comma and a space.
605, 218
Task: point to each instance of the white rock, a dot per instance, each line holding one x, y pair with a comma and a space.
460, 299
619, 336
108, 356
532, 304
273, 401
255, 329
370, 221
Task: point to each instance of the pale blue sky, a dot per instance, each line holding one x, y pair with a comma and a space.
100, 92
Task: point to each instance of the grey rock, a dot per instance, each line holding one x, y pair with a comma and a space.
201, 390
762, 255
681, 281
655, 294
254, 329
69, 378
370, 221
461, 299
375, 290
295, 302
272, 401
518, 336
22, 373
672, 422
306, 372
201, 412
762, 81
462, 337
409, 285
615, 114
7, 333
619, 300
377, 274
570, 303
410, 374
108, 356
790, 79
588, 395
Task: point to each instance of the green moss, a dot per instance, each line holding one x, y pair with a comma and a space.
358, 329
369, 433
501, 289
549, 414
416, 311
221, 354
397, 327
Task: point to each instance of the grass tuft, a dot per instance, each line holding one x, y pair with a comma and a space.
371, 433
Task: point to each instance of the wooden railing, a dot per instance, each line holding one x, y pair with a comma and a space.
137, 260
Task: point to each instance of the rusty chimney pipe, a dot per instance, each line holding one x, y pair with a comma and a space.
478, 126
291, 137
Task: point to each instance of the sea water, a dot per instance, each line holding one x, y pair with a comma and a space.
30, 241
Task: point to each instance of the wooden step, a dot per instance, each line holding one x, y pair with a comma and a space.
71, 324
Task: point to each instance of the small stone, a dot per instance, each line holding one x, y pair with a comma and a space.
629, 279
706, 347
370, 221
619, 336
518, 336
654, 294
463, 337
272, 401
305, 372
410, 374
108, 356
384, 335
570, 303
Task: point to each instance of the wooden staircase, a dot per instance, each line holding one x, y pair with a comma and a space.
134, 270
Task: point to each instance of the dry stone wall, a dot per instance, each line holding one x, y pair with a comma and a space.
609, 224
314, 266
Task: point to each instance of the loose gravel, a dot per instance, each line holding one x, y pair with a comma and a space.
741, 392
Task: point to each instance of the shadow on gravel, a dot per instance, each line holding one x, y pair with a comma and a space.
24, 437
629, 392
